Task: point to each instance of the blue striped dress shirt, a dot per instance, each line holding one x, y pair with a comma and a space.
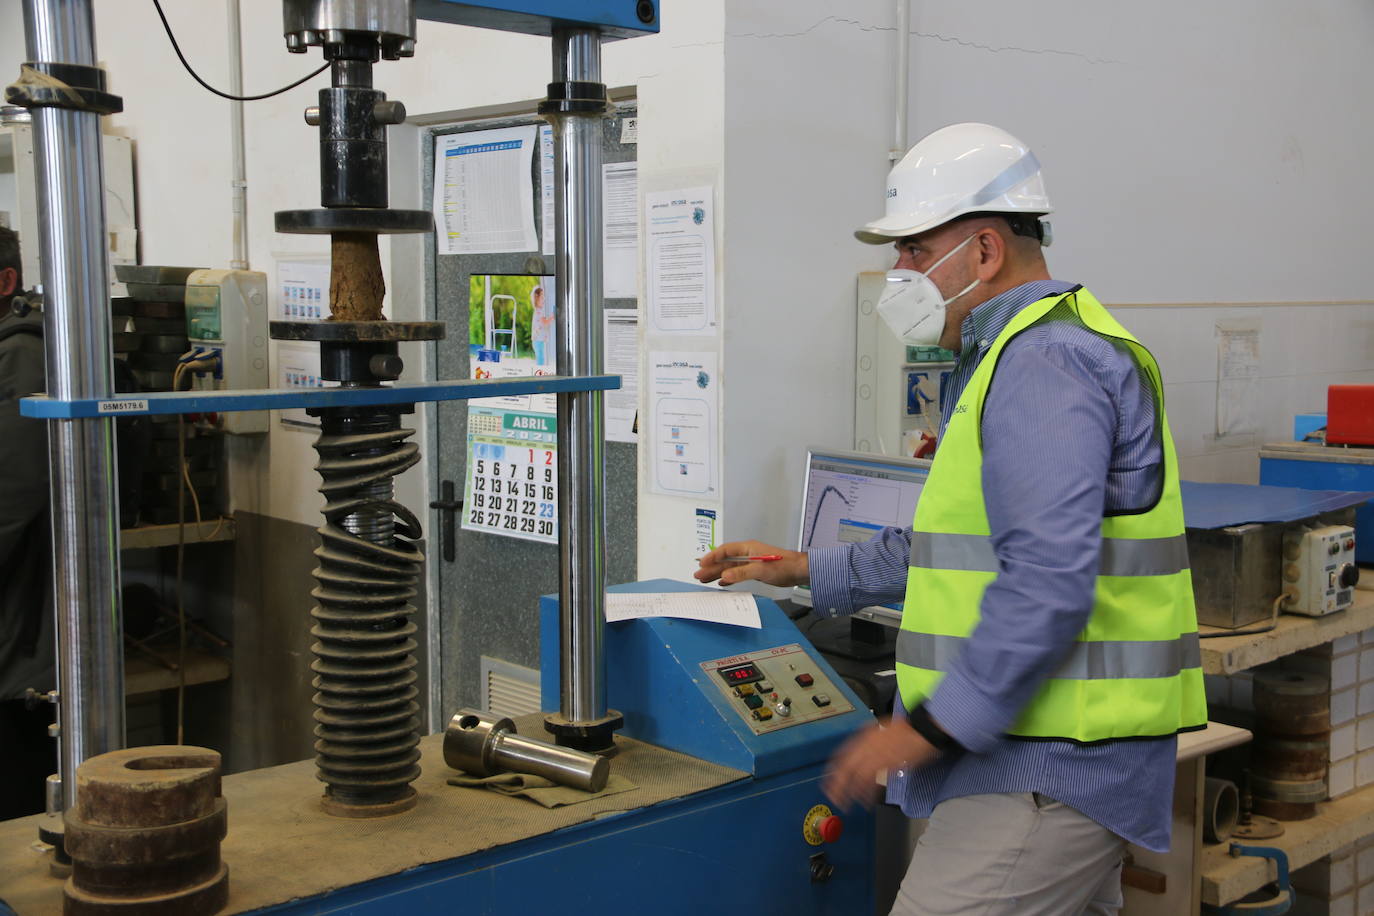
1068, 434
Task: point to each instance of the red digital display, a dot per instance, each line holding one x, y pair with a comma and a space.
742, 674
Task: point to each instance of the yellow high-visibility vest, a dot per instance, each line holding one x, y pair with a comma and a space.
1135, 670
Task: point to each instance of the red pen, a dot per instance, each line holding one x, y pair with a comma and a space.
766, 558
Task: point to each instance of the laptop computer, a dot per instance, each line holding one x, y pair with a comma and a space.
850, 496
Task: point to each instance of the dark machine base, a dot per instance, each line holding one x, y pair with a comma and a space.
344, 809
359, 352
357, 331
354, 219
595, 737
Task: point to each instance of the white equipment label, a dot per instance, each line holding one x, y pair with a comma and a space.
126, 406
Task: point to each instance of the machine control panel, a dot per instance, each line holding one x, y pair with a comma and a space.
1319, 571
776, 688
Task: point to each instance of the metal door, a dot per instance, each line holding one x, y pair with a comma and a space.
487, 586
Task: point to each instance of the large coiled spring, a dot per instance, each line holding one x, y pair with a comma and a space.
368, 726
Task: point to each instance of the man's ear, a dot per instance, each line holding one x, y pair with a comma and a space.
9, 281
992, 254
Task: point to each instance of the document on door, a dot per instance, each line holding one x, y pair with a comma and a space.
483, 194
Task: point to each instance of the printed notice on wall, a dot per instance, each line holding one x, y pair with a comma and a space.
483, 197
1238, 376
303, 289
546, 186
684, 401
620, 229
681, 271
298, 366
622, 359
705, 531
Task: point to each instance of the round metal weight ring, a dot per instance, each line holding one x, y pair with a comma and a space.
357, 331
353, 219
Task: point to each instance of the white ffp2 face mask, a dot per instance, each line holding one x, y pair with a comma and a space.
913, 306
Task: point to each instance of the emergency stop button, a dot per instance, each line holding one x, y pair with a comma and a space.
805, 680
821, 825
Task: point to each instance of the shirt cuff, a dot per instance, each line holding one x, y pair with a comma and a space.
976, 724
829, 574
924, 724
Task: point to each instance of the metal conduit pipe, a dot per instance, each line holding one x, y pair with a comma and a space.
238, 181
903, 85
575, 108
80, 364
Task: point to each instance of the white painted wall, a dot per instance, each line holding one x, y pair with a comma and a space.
1197, 153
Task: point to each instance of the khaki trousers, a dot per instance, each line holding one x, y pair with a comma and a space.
1023, 854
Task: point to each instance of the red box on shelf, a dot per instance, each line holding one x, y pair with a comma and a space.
1350, 415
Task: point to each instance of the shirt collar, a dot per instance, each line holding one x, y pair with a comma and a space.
981, 327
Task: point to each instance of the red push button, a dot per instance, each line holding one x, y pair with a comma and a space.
831, 828
805, 680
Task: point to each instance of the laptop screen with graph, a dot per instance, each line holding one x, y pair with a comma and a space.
851, 496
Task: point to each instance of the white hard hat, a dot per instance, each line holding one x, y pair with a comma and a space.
960, 169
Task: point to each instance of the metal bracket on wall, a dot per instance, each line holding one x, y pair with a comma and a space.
163, 403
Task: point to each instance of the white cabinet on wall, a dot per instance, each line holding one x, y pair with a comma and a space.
18, 198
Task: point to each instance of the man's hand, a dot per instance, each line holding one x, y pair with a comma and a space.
853, 771
792, 569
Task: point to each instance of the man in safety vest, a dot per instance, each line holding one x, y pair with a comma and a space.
1048, 652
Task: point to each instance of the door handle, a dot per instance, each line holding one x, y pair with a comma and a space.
448, 508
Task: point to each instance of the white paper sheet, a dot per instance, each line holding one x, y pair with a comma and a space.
483, 198
684, 402
620, 229
705, 531
622, 359
681, 249
298, 366
546, 186
303, 290
1238, 375
734, 608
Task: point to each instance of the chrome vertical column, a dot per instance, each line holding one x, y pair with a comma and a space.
76, 289
575, 107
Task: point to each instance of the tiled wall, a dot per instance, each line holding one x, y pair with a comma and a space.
1303, 349
1341, 884
1348, 663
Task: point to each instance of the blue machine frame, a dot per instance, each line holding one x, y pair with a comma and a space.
615, 18
175, 402
653, 677
738, 847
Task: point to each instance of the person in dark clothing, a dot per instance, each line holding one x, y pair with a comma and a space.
27, 657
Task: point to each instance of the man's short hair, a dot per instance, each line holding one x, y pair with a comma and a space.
1023, 224
9, 255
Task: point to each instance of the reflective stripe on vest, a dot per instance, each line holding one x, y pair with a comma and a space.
1086, 661
1120, 556
1135, 670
